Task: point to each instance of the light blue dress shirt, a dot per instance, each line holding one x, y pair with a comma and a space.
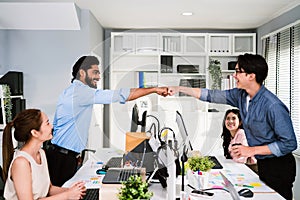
74, 112
267, 121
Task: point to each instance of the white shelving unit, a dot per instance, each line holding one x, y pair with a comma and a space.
159, 55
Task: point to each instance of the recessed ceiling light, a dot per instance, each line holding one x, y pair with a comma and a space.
187, 13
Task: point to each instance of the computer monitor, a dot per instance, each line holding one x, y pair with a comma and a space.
135, 122
183, 131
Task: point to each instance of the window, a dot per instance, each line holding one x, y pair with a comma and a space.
282, 52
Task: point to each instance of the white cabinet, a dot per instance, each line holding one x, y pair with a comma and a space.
174, 58
183, 60
225, 48
135, 43
232, 44
244, 43
195, 43
171, 43
123, 43
164, 59
220, 44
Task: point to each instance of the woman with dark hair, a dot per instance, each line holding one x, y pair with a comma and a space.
233, 134
25, 170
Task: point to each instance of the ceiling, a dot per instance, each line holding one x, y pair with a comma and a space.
162, 14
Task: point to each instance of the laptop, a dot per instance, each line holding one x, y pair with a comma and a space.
230, 187
114, 162
185, 138
119, 175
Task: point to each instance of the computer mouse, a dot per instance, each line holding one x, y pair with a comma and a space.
245, 192
101, 171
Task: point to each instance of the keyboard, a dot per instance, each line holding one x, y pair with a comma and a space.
92, 194
217, 163
114, 162
116, 176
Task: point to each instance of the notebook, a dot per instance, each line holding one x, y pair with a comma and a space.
230, 187
118, 175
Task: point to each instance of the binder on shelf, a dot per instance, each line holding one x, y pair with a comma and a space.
147, 79
188, 68
228, 83
166, 64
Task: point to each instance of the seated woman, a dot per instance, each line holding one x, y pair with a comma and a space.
233, 134
25, 170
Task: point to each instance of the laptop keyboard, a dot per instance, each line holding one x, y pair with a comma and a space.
92, 194
114, 162
125, 174
116, 176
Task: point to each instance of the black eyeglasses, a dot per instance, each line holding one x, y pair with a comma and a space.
237, 71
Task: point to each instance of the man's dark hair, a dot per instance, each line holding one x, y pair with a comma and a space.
85, 63
254, 64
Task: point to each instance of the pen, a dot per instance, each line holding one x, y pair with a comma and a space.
242, 185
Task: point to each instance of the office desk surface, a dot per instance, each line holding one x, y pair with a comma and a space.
237, 173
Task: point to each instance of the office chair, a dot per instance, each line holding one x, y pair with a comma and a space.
82, 157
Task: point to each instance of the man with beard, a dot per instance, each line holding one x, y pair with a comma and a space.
73, 116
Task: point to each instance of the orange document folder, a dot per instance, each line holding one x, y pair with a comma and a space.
133, 139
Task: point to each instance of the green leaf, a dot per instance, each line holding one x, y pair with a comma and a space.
216, 73
200, 163
134, 188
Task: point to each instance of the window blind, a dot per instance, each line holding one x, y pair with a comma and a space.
282, 53
295, 82
283, 68
270, 82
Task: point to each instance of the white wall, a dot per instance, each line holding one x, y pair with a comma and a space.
46, 59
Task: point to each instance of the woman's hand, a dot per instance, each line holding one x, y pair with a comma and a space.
77, 190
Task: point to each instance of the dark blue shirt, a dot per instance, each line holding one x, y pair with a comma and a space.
267, 121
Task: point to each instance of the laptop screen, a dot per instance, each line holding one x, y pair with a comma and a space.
230, 187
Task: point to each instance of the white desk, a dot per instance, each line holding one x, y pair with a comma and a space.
235, 172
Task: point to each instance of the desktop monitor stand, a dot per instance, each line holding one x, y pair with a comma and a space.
171, 181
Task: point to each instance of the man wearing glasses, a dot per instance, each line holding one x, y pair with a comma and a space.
266, 122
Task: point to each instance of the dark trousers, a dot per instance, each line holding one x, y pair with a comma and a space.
279, 174
62, 165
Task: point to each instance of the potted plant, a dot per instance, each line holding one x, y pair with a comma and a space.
134, 188
198, 171
215, 73
7, 102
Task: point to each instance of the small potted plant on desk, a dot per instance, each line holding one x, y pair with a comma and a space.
134, 188
198, 171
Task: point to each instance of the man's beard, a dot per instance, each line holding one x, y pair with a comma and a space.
89, 82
